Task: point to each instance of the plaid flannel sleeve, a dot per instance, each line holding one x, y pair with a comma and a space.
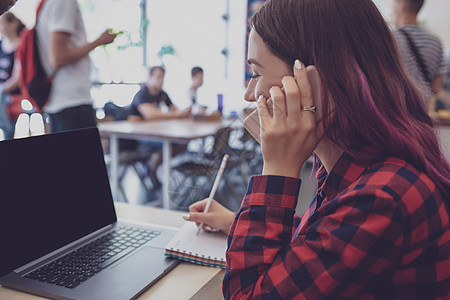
338, 253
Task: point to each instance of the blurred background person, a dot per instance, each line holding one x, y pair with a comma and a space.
64, 52
10, 30
420, 50
151, 102
196, 83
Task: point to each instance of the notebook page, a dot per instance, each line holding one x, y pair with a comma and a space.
205, 244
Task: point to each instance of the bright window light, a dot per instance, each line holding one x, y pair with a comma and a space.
26, 105
22, 126
100, 114
36, 124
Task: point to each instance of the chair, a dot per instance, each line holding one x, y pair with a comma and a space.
130, 156
194, 173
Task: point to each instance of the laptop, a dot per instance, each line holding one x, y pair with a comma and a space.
59, 234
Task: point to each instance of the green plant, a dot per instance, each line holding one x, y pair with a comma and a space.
166, 50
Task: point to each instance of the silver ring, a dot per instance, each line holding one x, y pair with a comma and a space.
308, 108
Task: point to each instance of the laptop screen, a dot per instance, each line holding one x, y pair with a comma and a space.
54, 189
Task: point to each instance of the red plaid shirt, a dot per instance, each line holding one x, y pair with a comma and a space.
376, 230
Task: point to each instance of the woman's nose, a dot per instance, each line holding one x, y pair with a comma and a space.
249, 94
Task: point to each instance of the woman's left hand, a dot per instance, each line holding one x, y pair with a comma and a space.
290, 135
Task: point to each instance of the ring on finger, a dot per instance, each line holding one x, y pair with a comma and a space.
308, 108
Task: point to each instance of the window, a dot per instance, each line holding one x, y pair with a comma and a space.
119, 67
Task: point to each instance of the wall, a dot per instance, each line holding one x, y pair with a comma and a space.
198, 34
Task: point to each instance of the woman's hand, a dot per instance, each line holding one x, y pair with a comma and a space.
289, 135
218, 217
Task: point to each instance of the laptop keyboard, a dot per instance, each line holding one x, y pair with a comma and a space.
80, 265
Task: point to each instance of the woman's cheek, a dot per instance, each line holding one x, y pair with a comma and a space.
262, 89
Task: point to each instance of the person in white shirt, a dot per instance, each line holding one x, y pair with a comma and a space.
64, 52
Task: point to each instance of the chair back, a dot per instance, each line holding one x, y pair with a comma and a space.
221, 139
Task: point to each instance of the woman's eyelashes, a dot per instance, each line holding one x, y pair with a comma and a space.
255, 76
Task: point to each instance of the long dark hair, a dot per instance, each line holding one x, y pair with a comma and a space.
10, 17
6, 4
374, 101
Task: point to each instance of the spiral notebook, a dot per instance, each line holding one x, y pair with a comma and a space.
207, 248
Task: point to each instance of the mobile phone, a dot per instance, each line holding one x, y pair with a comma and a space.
251, 123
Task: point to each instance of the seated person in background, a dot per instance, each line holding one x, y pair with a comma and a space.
152, 103
197, 81
200, 111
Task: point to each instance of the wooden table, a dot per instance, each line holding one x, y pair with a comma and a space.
167, 131
178, 283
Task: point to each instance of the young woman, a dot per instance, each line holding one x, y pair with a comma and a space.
378, 227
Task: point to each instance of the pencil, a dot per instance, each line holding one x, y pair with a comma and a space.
214, 188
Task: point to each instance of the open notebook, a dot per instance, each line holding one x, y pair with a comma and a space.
206, 248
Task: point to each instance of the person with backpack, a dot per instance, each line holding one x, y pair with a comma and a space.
421, 51
64, 54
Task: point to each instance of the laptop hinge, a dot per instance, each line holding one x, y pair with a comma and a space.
65, 248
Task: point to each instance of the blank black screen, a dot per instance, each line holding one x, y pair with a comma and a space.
54, 189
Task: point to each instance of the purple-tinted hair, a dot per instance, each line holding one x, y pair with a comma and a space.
374, 102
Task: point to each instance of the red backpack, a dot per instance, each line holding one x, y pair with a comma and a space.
35, 84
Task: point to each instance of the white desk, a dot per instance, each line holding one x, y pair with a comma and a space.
168, 131
178, 283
